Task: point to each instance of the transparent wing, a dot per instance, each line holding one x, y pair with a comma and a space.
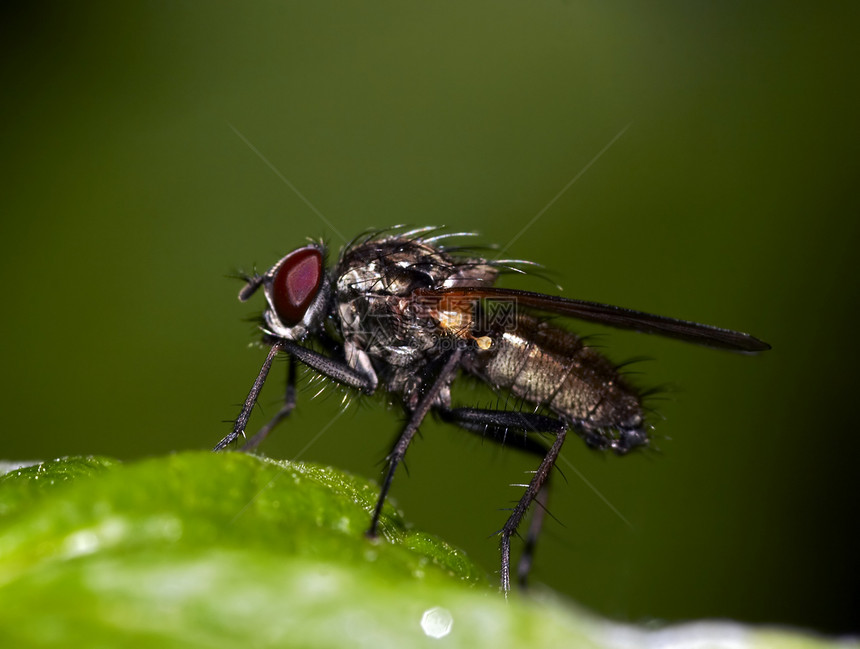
613, 316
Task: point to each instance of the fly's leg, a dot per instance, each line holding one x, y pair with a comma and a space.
524, 566
494, 425
248, 406
532, 492
283, 413
332, 368
428, 399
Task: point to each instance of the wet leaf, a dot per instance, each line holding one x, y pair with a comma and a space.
227, 550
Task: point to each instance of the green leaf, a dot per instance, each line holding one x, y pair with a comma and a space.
232, 550
23, 483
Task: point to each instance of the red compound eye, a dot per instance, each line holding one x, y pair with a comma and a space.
296, 284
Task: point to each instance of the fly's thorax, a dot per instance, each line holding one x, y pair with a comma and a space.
398, 266
383, 327
375, 284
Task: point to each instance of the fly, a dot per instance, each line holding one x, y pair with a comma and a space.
402, 313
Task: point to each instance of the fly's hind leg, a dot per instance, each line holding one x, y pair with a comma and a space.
495, 425
524, 565
533, 491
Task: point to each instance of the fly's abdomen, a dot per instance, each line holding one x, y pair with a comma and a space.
550, 367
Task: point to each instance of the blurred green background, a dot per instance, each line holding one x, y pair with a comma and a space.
731, 199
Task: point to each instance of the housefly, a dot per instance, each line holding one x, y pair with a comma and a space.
403, 313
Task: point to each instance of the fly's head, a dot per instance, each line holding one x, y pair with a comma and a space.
297, 290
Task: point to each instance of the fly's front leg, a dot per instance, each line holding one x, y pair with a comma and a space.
248, 406
340, 371
332, 368
494, 425
283, 413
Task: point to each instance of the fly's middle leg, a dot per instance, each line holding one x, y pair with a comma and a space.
425, 404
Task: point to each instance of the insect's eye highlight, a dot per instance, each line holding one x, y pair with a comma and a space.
296, 284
